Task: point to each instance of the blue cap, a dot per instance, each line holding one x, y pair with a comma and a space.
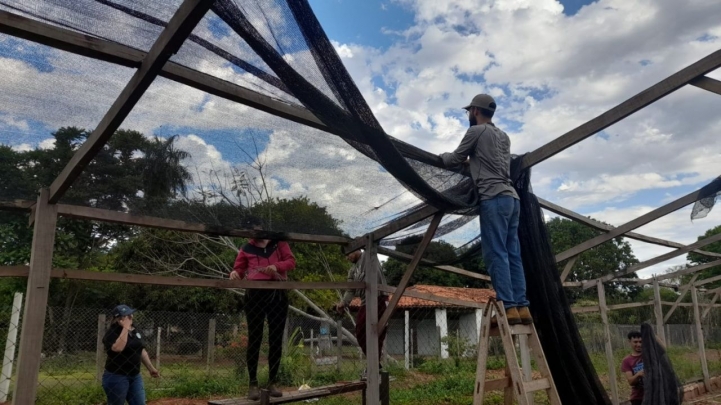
122, 310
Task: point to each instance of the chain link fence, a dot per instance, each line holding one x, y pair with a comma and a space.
203, 355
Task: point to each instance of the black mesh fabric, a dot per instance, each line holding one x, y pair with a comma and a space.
576, 379
661, 385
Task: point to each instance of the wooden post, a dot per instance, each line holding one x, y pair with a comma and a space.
7, 371
235, 330
658, 312
526, 363
36, 301
385, 388
339, 341
100, 349
699, 337
264, 397
411, 344
612, 382
372, 349
312, 355
211, 342
407, 341
157, 348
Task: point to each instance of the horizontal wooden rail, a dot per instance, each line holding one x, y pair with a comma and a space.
128, 278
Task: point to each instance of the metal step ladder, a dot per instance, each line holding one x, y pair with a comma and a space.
518, 382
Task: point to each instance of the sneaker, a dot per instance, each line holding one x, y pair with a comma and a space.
253, 392
525, 315
512, 316
274, 391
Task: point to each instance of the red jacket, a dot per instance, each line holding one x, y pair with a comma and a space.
251, 258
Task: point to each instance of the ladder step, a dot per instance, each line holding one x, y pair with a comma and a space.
515, 330
536, 385
497, 385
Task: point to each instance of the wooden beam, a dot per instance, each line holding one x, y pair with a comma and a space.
625, 109
79, 212
394, 226
383, 322
171, 38
36, 301
407, 258
567, 269
17, 205
658, 312
710, 307
373, 349
660, 259
690, 270
564, 212
707, 83
711, 188
682, 292
707, 281
688, 304
129, 278
433, 297
699, 337
629, 305
609, 350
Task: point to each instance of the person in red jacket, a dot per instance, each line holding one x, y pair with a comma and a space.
264, 260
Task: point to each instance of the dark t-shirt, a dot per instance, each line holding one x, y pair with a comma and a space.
126, 362
634, 364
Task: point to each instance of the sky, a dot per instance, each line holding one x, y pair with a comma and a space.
550, 65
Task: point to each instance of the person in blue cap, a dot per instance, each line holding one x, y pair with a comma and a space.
124, 345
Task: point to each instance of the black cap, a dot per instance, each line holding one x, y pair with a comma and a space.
482, 101
122, 310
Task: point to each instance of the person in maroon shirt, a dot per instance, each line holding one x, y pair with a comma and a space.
632, 368
264, 260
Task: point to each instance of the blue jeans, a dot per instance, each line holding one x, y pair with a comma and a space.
119, 388
501, 249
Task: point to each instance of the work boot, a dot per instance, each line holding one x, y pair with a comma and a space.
253, 392
274, 391
525, 315
512, 316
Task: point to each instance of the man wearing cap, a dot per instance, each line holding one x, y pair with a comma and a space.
124, 345
487, 151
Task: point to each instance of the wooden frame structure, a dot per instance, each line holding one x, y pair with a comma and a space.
45, 211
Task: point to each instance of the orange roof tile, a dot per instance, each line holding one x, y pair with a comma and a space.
481, 295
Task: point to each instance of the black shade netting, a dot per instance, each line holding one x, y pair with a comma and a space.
661, 385
576, 379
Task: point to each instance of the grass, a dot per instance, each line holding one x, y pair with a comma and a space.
70, 379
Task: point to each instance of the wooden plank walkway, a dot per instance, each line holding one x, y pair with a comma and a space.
296, 396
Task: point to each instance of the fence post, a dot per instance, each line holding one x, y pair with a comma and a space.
699, 337
36, 300
658, 312
370, 262
211, 342
407, 344
99, 349
157, 348
609, 349
312, 355
442, 324
235, 330
339, 340
7, 371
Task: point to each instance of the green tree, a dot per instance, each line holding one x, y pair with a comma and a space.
606, 258
695, 258
437, 251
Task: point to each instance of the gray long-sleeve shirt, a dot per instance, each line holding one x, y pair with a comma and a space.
489, 150
357, 273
